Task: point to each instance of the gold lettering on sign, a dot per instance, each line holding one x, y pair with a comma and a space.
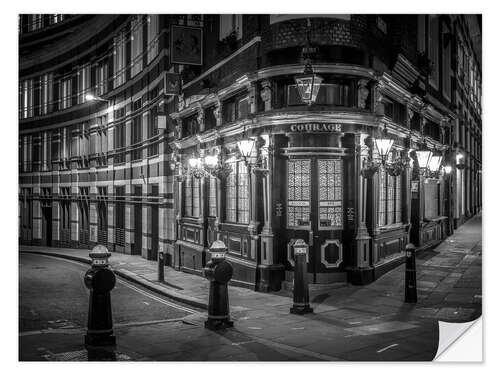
315, 127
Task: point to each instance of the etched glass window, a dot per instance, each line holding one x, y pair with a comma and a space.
299, 192
330, 193
389, 204
212, 197
237, 194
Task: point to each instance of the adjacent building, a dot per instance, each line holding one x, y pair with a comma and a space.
151, 133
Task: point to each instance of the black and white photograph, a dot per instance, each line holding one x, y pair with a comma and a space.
250, 187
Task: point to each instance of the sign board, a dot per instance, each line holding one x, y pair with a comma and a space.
275, 18
172, 84
316, 127
414, 186
186, 45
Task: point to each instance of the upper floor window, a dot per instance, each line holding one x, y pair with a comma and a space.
153, 30
230, 23
329, 94
433, 52
46, 93
65, 93
26, 98
421, 28
136, 44
235, 108
102, 78
83, 80
446, 59
119, 59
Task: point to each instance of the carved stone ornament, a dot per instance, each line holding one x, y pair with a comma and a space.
363, 93
200, 118
266, 94
217, 113
181, 103
178, 128
379, 106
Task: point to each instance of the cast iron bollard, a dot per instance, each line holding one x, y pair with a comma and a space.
300, 282
100, 280
161, 266
219, 271
410, 275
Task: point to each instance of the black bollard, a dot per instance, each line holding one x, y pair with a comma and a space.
219, 272
300, 282
100, 280
161, 266
410, 275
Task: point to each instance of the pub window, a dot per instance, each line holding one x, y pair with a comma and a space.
330, 193
389, 203
235, 108
336, 94
56, 143
192, 197
237, 194
299, 193
212, 197
136, 44
120, 215
431, 193
37, 149
190, 126
26, 99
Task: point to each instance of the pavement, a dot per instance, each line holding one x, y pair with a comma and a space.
370, 323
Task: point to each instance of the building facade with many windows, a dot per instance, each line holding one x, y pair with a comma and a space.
113, 151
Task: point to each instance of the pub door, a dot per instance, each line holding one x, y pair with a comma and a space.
315, 212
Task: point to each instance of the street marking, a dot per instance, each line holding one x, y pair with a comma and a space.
179, 307
153, 297
146, 303
387, 347
254, 328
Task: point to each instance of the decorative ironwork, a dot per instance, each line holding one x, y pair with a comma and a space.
330, 193
299, 192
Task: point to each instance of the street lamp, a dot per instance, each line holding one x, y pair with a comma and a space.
460, 160
423, 157
308, 83
447, 169
384, 145
246, 147
92, 98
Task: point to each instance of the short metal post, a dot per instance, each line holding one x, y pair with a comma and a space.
410, 275
300, 282
218, 271
161, 266
100, 280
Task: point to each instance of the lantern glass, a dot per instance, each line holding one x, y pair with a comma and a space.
384, 146
447, 169
435, 163
246, 147
308, 86
211, 161
459, 158
195, 162
423, 158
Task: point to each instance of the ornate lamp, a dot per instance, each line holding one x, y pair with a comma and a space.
460, 160
215, 167
384, 144
435, 163
196, 167
246, 147
423, 156
308, 84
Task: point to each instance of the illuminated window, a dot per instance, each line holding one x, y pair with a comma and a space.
192, 197
237, 194
330, 193
299, 193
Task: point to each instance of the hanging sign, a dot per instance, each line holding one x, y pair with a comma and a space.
172, 84
186, 45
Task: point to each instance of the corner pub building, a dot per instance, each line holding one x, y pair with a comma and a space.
151, 133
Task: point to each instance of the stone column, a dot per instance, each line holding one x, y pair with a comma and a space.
146, 226
56, 220
37, 216
362, 236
